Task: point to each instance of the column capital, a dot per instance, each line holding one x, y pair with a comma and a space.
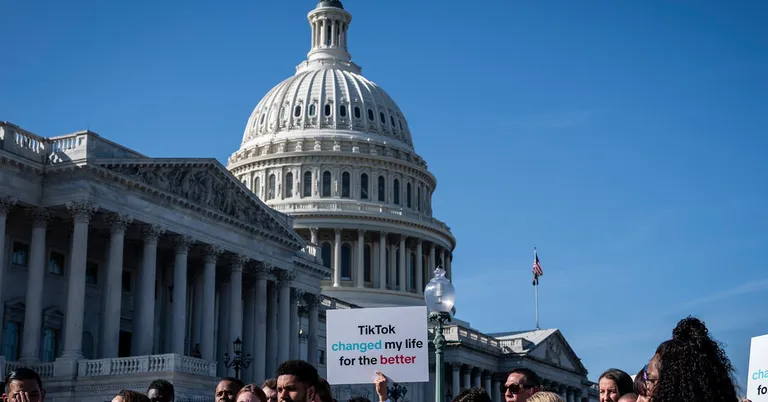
285, 278
298, 295
456, 366
119, 222
337, 231
312, 299
6, 204
419, 242
313, 230
361, 232
261, 270
82, 210
383, 233
211, 253
39, 216
182, 243
239, 261
152, 233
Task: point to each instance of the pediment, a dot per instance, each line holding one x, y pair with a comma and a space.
555, 350
206, 184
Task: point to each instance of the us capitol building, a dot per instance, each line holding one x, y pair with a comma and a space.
118, 269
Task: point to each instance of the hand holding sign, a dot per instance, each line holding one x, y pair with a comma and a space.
380, 384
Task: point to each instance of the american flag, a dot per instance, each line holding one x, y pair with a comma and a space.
537, 271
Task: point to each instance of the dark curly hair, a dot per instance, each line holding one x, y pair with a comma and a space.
693, 367
472, 395
303, 371
624, 383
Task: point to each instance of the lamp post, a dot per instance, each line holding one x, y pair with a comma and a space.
238, 362
396, 391
439, 295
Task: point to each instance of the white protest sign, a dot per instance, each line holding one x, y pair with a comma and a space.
757, 383
392, 340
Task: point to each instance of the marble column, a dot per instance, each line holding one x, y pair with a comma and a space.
337, 257
260, 326
382, 260
144, 304
249, 329
313, 302
208, 335
6, 204
403, 266
495, 390
419, 267
272, 341
236, 299
477, 379
448, 264
81, 211
467, 380
455, 379
182, 245
284, 316
360, 277
198, 287
431, 262
33, 308
296, 296
113, 287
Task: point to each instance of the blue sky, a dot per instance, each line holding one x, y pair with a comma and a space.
625, 140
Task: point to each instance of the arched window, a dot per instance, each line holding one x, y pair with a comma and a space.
328, 109
382, 189
392, 120
382, 118
357, 112
312, 109
412, 271
396, 188
11, 341
364, 186
257, 186
271, 190
263, 116
418, 198
326, 184
50, 342
343, 111
346, 262
408, 195
370, 114
367, 268
289, 185
325, 253
345, 185
307, 184
297, 111
401, 124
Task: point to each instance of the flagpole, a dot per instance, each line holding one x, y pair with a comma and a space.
536, 291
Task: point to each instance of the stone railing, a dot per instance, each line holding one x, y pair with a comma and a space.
66, 148
358, 207
311, 252
455, 333
145, 364
45, 370
511, 345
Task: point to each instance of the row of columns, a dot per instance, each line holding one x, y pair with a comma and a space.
384, 247
464, 377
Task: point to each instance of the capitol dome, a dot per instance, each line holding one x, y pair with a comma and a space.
333, 150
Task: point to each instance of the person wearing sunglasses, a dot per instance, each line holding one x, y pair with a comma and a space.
520, 385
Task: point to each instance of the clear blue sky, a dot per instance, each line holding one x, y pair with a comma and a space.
626, 140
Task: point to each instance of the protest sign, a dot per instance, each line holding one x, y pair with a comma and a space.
392, 340
757, 383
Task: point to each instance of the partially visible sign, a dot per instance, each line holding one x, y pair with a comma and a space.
757, 383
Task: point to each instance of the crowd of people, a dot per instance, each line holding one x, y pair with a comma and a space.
689, 367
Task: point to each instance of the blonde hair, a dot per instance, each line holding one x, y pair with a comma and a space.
545, 397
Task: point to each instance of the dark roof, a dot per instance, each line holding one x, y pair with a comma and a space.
330, 3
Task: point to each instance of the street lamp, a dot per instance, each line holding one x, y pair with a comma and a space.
439, 296
396, 391
238, 362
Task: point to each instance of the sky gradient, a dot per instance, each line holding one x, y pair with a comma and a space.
625, 140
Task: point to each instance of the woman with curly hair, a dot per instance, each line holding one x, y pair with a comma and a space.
130, 396
690, 367
613, 384
251, 393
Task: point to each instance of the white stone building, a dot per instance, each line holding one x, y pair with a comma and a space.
97, 241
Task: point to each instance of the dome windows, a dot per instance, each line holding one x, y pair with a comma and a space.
370, 114
401, 124
263, 116
307, 191
364, 186
396, 188
289, 185
408, 195
297, 111
312, 109
382, 118
345, 185
271, 189
392, 120
382, 189
343, 111
328, 109
357, 112
326, 184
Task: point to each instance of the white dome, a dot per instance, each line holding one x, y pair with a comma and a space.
330, 97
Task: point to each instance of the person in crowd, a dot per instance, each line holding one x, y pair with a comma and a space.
614, 383
251, 393
690, 367
296, 381
359, 399
270, 389
630, 397
130, 396
520, 385
545, 396
640, 388
23, 384
161, 391
227, 389
472, 395
323, 391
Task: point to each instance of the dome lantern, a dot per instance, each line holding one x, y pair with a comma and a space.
329, 22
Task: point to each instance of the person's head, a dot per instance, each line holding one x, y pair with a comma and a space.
639, 387
251, 393
23, 380
630, 397
472, 395
270, 389
323, 391
520, 385
227, 389
130, 396
296, 381
161, 391
545, 397
691, 366
614, 383
359, 399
